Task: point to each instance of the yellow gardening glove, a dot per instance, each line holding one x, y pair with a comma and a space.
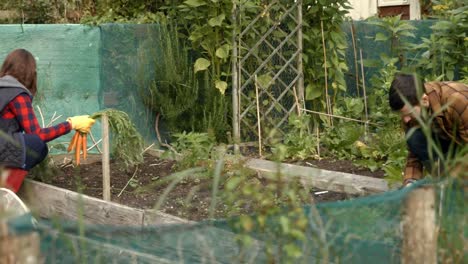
81, 123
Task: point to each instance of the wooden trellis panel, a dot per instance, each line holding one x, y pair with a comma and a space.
269, 62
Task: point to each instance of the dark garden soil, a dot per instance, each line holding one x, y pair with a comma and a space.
189, 199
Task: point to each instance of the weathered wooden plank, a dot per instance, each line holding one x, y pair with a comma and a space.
153, 217
323, 179
20, 248
419, 227
49, 201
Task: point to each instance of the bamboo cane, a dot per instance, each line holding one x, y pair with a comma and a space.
258, 118
327, 97
364, 94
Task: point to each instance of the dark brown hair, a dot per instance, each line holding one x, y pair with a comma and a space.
404, 86
21, 64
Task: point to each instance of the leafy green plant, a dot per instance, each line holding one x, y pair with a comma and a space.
123, 11
209, 29
445, 51
299, 143
127, 142
279, 217
174, 90
193, 148
324, 17
48, 11
395, 31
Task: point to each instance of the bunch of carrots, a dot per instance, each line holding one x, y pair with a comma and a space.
78, 143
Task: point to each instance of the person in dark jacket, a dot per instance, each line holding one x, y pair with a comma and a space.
22, 140
444, 105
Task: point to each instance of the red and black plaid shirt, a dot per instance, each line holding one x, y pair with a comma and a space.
21, 109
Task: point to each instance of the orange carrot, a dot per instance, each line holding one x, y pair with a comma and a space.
73, 141
84, 146
78, 149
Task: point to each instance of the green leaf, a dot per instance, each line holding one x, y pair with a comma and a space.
381, 37
312, 92
201, 64
246, 222
217, 21
223, 51
264, 81
221, 86
284, 222
233, 183
195, 3
371, 63
450, 74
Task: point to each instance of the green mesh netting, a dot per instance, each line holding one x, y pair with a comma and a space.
363, 230
68, 66
364, 35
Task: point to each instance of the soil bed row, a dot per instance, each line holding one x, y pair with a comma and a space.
190, 199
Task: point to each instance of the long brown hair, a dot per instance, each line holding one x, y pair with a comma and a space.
21, 64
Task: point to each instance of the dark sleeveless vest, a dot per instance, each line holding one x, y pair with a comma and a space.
12, 147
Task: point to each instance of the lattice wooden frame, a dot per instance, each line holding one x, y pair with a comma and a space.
284, 91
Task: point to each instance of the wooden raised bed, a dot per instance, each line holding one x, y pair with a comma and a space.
49, 201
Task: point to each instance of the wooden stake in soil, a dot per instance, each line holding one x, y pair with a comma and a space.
327, 97
258, 119
298, 105
105, 159
419, 227
353, 32
364, 93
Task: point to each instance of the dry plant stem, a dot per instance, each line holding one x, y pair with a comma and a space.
364, 93
298, 106
128, 182
258, 119
146, 149
318, 141
95, 143
156, 128
53, 119
40, 114
327, 98
341, 117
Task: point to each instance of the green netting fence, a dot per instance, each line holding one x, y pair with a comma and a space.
363, 230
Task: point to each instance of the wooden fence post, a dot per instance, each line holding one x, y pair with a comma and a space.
105, 159
419, 227
24, 248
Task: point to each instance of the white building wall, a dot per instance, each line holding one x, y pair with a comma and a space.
362, 9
